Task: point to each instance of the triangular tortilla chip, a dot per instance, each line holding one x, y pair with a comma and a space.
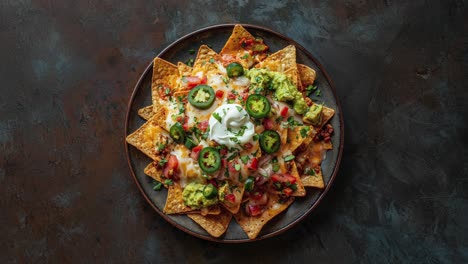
148, 137
283, 61
315, 180
306, 74
146, 112
206, 61
184, 69
165, 76
232, 45
253, 224
155, 172
215, 225
300, 135
300, 191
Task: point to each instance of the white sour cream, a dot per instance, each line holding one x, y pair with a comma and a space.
234, 127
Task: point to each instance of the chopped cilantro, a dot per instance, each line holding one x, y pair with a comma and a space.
239, 108
157, 185
276, 167
217, 116
318, 92
246, 56
245, 159
255, 137
304, 131
162, 162
212, 60
168, 182
237, 167
161, 147
225, 80
168, 91
191, 51
232, 156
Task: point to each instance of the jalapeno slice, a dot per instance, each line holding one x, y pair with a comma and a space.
210, 191
189, 143
177, 133
257, 106
202, 96
234, 69
209, 160
270, 141
249, 184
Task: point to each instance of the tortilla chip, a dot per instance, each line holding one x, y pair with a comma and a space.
327, 114
235, 209
175, 202
148, 137
184, 69
165, 75
300, 191
206, 61
283, 61
253, 224
232, 45
307, 75
314, 180
155, 172
215, 225
146, 112
295, 137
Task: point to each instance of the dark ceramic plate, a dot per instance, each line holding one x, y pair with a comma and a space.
215, 37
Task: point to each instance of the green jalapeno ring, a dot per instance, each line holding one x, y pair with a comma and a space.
234, 69
270, 141
210, 191
201, 96
177, 133
209, 160
257, 106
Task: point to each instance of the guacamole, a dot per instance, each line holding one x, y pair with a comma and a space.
193, 196
313, 116
285, 90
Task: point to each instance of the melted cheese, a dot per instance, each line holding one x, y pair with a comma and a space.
189, 169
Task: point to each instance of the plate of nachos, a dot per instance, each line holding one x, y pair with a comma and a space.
234, 133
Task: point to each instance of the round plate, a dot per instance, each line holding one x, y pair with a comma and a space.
216, 37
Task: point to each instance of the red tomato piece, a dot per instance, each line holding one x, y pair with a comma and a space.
253, 164
195, 152
191, 81
219, 94
284, 111
231, 96
254, 210
203, 125
284, 178
287, 191
230, 198
268, 123
203, 80
171, 166
248, 146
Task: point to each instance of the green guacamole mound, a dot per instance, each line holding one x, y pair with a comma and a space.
193, 196
314, 115
285, 90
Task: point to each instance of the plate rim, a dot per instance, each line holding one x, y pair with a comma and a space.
335, 168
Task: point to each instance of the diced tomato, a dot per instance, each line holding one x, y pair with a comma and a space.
223, 151
179, 118
231, 96
203, 80
253, 164
248, 146
195, 152
284, 178
232, 167
287, 191
191, 81
219, 94
254, 210
212, 181
203, 125
268, 123
284, 111
185, 125
230, 198
171, 167
245, 96
224, 162
244, 42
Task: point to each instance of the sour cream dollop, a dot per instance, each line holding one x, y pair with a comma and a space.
230, 125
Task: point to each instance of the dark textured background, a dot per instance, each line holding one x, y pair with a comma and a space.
67, 71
